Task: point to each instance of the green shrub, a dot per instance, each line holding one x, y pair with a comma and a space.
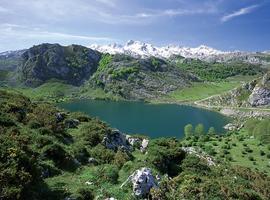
102, 154
166, 155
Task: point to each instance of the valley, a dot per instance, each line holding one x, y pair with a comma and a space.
162, 125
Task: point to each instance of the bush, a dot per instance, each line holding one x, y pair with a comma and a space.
93, 132
166, 155
85, 194
262, 153
19, 167
108, 173
121, 158
102, 154
251, 158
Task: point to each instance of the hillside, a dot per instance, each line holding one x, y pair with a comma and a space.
255, 93
116, 76
47, 153
133, 78
73, 64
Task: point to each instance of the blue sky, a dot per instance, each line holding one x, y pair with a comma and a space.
222, 24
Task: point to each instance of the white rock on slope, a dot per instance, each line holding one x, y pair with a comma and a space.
142, 181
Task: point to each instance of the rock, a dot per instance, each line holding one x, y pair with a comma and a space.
92, 161
133, 140
144, 145
231, 127
116, 140
260, 96
142, 180
88, 183
59, 117
72, 123
202, 155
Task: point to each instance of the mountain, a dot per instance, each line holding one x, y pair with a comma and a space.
144, 50
255, 93
133, 78
72, 64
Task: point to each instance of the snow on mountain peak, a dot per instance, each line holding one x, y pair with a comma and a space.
143, 50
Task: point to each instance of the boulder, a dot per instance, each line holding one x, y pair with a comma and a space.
60, 117
116, 140
144, 145
72, 123
260, 96
92, 161
134, 141
142, 181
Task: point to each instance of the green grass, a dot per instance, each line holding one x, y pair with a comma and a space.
98, 93
50, 91
236, 149
200, 91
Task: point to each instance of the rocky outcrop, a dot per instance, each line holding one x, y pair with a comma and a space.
200, 154
255, 93
72, 64
260, 96
116, 140
142, 181
233, 127
245, 114
144, 145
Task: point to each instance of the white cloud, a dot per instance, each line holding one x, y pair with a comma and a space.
242, 11
24, 32
109, 3
4, 10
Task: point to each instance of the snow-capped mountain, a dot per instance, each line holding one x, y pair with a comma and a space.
8, 54
143, 50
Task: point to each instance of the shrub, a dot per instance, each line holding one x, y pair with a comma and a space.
121, 158
108, 173
166, 155
102, 154
262, 153
93, 132
251, 158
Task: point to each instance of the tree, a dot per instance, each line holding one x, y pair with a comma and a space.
188, 130
212, 131
199, 129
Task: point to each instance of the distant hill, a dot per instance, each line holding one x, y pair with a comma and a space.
255, 93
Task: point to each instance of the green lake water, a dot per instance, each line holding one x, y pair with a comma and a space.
154, 120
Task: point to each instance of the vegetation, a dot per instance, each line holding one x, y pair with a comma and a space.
198, 91
218, 71
43, 155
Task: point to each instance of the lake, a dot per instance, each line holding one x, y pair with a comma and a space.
154, 120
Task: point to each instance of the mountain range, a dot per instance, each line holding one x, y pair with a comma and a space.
143, 50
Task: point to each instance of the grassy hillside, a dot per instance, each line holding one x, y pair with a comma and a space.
45, 152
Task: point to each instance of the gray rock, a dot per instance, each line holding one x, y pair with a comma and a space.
144, 145
92, 161
260, 96
72, 123
59, 117
142, 181
116, 140
200, 154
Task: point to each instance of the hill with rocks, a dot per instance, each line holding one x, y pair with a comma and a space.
255, 93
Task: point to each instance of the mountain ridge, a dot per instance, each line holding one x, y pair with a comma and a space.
140, 49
